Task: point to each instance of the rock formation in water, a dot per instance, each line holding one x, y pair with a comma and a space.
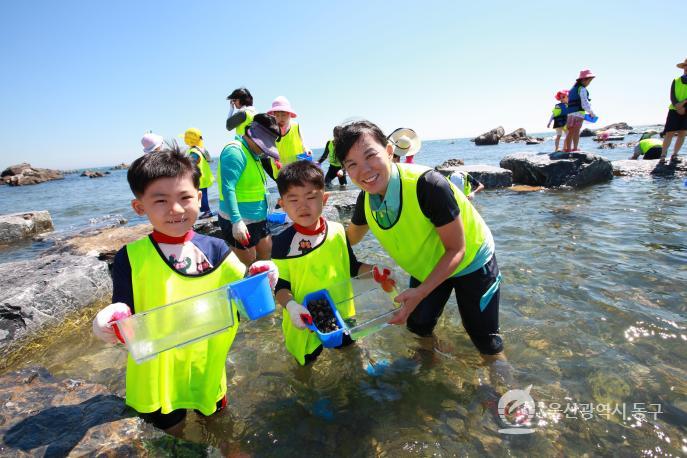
17, 226
23, 174
558, 169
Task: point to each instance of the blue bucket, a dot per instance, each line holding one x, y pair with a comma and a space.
276, 217
304, 157
329, 339
591, 118
253, 296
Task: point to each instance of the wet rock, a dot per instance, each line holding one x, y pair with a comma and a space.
331, 214
449, 166
618, 126
23, 174
45, 416
558, 169
517, 135
608, 388
122, 166
491, 177
17, 226
534, 141
587, 133
650, 167
490, 138
94, 174
343, 201
43, 291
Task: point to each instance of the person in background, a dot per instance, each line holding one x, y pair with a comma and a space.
194, 139
578, 107
171, 264
335, 170
152, 142
241, 110
559, 115
650, 148
466, 183
676, 122
243, 189
406, 144
290, 145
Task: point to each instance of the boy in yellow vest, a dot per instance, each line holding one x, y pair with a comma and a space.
194, 139
311, 254
171, 264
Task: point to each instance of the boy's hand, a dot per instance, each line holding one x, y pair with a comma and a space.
295, 311
265, 266
102, 324
240, 232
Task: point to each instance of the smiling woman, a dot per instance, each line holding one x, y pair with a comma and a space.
432, 232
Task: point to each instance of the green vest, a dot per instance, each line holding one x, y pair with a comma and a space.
332, 157
462, 182
192, 377
413, 241
290, 145
252, 185
206, 177
648, 143
680, 91
241, 128
325, 267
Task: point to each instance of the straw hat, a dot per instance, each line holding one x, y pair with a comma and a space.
682, 64
406, 142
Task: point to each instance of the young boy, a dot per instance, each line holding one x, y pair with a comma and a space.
170, 264
312, 254
194, 139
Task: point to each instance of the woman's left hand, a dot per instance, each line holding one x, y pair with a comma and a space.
410, 298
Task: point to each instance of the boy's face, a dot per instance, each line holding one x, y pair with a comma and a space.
304, 204
171, 204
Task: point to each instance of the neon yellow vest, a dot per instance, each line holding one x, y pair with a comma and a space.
289, 147
326, 267
207, 179
648, 143
251, 186
413, 241
241, 128
463, 183
332, 157
680, 91
192, 377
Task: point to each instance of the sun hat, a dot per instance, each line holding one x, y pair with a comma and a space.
263, 136
151, 142
560, 94
584, 74
192, 137
406, 142
281, 103
682, 64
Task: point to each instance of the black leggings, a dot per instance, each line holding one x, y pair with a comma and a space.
480, 318
331, 174
167, 420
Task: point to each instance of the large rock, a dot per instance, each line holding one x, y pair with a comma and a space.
23, 174
517, 135
491, 177
122, 166
587, 133
558, 169
449, 166
617, 126
45, 416
17, 226
43, 291
94, 174
650, 167
490, 138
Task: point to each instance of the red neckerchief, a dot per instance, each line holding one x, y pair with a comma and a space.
306, 231
159, 237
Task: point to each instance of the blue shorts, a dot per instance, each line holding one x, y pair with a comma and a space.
477, 295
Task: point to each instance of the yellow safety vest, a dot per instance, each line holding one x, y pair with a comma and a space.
289, 147
206, 177
325, 267
413, 241
332, 157
463, 182
648, 143
252, 185
192, 377
241, 128
680, 91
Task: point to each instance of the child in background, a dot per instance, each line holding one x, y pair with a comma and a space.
152, 142
312, 254
559, 115
171, 264
578, 107
194, 139
466, 183
406, 143
335, 170
290, 145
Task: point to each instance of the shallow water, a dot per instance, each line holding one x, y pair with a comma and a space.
593, 310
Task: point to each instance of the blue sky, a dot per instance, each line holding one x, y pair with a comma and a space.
83, 80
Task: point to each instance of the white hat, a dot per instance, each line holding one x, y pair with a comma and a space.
406, 142
151, 142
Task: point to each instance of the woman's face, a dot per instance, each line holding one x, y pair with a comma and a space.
369, 164
586, 81
283, 119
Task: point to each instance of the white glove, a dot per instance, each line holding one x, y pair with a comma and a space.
295, 311
102, 324
340, 173
240, 232
265, 266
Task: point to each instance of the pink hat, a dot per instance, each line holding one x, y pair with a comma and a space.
151, 141
584, 74
560, 94
281, 103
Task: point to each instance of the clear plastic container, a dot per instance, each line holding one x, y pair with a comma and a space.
176, 324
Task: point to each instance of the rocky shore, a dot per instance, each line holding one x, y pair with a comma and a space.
24, 174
